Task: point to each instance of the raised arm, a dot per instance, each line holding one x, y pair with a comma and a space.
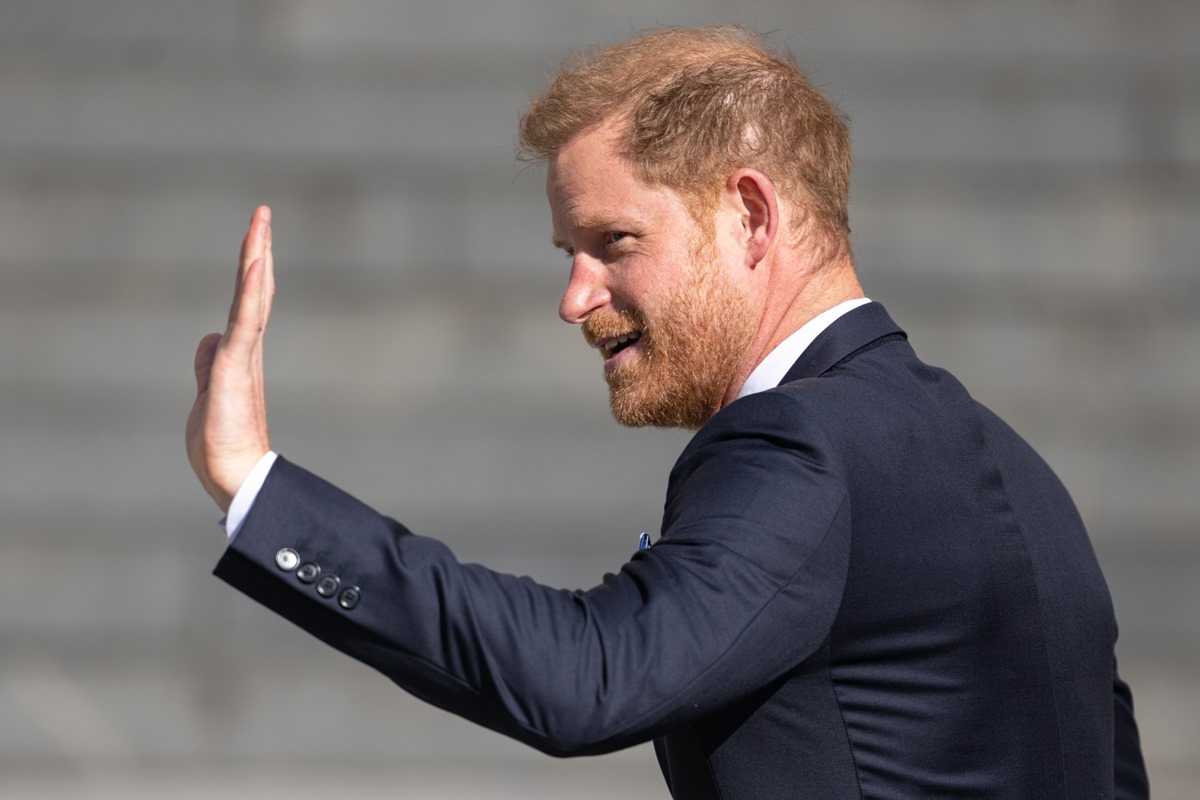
731, 598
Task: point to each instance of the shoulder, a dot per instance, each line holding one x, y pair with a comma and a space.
789, 418
760, 447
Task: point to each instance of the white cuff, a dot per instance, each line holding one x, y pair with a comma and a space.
246, 494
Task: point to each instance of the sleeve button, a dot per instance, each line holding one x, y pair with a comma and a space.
328, 586
287, 559
349, 597
308, 572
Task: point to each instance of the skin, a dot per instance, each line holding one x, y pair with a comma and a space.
227, 430
642, 268
631, 247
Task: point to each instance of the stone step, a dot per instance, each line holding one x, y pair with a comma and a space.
1100, 107
1019, 31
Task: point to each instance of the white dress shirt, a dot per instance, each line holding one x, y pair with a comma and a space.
770, 370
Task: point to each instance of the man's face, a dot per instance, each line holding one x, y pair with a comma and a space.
655, 293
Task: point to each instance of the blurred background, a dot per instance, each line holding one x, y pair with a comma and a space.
1026, 202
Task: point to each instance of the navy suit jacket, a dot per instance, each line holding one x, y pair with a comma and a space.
866, 586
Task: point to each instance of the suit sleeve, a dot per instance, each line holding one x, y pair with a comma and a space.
741, 587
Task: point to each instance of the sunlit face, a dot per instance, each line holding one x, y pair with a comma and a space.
656, 296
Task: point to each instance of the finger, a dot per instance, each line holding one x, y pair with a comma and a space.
205, 353
268, 274
259, 219
252, 249
246, 328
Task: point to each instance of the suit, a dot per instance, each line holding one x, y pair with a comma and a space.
866, 586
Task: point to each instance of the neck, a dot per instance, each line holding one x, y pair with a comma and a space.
789, 305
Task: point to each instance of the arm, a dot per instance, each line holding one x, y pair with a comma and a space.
734, 595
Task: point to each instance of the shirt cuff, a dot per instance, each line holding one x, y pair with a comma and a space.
246, 495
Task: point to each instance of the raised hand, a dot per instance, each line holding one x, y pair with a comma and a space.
227, 429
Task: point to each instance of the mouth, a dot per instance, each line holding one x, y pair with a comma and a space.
613, 345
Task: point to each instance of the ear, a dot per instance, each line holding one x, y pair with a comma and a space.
753, 197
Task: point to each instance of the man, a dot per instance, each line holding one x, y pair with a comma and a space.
866, 585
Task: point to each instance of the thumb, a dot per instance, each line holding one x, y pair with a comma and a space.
205, 353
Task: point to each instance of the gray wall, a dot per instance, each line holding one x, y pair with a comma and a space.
1026, 202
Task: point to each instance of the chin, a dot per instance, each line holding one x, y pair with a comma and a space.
661, 407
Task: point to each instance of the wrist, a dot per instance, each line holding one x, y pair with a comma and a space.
227, 479
246, 494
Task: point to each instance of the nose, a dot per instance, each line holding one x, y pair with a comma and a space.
586, 290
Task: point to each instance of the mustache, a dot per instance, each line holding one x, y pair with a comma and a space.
608, 324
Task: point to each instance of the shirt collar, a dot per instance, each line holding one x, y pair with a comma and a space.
770, 370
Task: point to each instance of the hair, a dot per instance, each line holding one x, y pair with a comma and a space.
693, 105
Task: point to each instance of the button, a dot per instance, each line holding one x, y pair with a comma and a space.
349, 597
328, 586
287, 559
308, 572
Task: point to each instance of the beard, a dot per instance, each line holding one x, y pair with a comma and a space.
687, 354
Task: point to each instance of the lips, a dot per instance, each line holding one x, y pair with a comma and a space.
611, 346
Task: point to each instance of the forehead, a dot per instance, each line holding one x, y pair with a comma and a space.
589, 183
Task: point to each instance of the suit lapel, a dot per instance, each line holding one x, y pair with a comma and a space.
849, 333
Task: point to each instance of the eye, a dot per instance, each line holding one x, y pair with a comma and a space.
612, 237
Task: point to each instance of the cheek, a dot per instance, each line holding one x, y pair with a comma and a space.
655, 295
731, 246
635, 284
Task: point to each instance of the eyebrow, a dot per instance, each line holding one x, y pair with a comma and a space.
591, 224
